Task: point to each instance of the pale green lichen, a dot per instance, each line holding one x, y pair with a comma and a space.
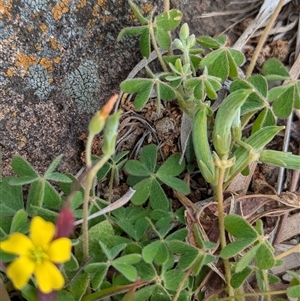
40, 81
82, 84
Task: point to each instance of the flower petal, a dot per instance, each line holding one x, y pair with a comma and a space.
20, 270
41, 232
60, 250
17, 243
48, 277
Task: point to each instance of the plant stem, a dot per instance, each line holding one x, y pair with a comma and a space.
263, 38
187, 274
255, 294
88, 185
88, 150
266, 282
155, 46
111, 182
219, 188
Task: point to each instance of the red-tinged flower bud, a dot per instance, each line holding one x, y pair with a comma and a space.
97, 122
64, 225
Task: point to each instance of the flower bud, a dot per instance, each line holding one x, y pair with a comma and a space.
110, 134
184, 32
64, 225
97, 122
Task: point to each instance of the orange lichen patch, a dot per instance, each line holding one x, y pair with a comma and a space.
44, 28
5, 7
29, 28
10, 72
25, 61
146, 8
50, 80
54, 44
101, 2
96, 10
57, 59
106, 19
14, 114
82, 3
22, 140
59, 9
38, 46
46, 64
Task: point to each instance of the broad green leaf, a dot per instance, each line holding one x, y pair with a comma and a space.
173, 278
163, 38
53, 165
294, 291
175, 183
51, 196
145, 44
246, 259
126, 270
142, 192
233, 71
283, 104
235, 247
220, 67
142, 87
237, 56
138, 13
149, 156
58, 177
211, 92
150, 251
144, 293
78, 286
103, 232
29, 292
19, 181
165, 91
146, 271
210, 58
132, 31
239, 227
35, 196
128, 259
18, 221
94, 267
137, 168
158, 198
264, 257
22, 168
64, 295
177, 235
171, 166
260, 83
72, 264
273, 69
265, 118
169, 20
209, 42
238, 279
11, 201
102, 173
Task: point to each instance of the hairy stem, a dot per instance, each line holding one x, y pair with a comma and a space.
88, 185
222, 229
180, 287
255, 295
263, 38
266, 283
155, 46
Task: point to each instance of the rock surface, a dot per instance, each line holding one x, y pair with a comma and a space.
60, 61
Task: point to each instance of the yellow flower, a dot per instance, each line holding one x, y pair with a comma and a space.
38, 255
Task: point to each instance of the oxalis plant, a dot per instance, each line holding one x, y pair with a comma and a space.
193, 72
63, 242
